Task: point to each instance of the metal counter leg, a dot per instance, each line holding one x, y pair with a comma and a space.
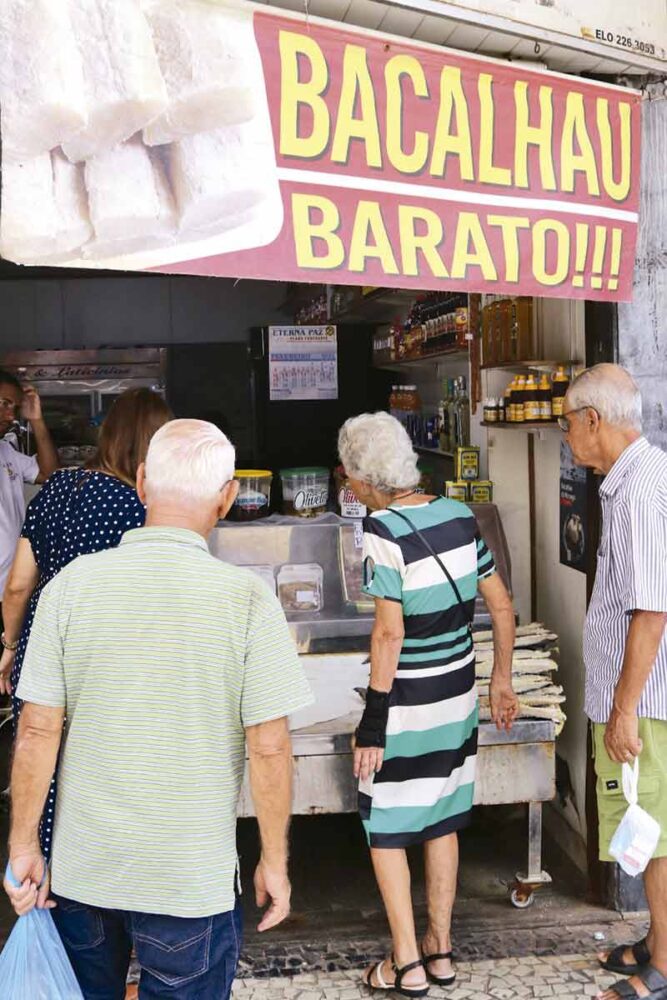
523, 891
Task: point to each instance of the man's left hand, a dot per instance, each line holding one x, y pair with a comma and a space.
31, 407
504, 703
30, 869
621, 737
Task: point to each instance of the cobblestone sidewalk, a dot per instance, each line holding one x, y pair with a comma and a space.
563, 976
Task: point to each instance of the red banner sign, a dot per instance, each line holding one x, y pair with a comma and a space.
271, 146
406, 166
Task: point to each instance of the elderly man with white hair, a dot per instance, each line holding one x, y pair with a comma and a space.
164, 661
416, 745
625, 645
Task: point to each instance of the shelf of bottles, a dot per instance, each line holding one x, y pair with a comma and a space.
437, 433
524, 425
530, 401
536, 366
438, 325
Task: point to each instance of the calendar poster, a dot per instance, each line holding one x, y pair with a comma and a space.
303, 362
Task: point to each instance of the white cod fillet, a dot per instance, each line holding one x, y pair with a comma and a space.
41, 79
211, 66
44, 210
219, 178
123, 85
131, 206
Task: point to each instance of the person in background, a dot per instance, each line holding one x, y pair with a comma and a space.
165, 661
416, 745
16, 468
625, 645
78, 511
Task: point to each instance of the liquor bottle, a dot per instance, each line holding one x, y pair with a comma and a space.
451, 415
463, 410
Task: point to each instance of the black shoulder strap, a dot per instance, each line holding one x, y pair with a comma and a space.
425, 542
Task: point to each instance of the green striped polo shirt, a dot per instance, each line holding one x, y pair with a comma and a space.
161, 656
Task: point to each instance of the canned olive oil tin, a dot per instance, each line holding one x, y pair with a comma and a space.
480, 491
467, 463
456, 490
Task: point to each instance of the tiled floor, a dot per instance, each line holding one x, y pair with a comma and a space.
558, 977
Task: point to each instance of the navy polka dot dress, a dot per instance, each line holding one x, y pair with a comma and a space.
76, 512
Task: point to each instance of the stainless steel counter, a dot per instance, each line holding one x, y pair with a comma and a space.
518, 766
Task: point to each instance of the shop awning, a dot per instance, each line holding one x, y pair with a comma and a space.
326, 153
565, 38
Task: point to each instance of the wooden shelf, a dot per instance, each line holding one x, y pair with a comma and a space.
525, 425
535, 365
453, 354
423, 450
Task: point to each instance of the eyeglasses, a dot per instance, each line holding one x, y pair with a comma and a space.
8, 404
564, 422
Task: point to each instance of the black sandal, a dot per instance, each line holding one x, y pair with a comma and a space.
656, 982
614, 962
438, 980
397, 986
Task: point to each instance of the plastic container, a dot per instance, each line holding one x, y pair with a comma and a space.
254, 494
265, 573
305, 491
300, 587
348, 505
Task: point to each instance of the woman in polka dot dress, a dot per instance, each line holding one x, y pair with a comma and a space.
77, 511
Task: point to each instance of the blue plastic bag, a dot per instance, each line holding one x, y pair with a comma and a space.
33, 963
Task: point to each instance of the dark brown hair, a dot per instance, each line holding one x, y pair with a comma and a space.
126, 433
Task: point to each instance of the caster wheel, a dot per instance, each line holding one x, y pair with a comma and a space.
521, 900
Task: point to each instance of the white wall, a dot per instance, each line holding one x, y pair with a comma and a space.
642, 329
560, 591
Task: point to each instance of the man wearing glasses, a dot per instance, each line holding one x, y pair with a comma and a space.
16, 468
625, 646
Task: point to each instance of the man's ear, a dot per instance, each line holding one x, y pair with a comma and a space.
141, 482
593, 418
227, 497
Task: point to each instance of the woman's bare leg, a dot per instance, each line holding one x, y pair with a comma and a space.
393, 877
441, 859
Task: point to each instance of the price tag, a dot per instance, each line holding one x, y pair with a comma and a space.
358, 534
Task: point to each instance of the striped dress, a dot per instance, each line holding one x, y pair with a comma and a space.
426, 784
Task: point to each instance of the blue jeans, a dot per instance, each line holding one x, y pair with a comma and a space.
193, 958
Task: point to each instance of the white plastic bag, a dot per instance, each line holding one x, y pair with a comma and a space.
636, 838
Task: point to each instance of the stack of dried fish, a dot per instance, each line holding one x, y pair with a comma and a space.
533, 665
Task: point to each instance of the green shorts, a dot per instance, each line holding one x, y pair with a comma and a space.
652, 783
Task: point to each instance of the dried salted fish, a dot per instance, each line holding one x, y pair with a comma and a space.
131, 206
123, 88
45, 210
41, 78
206, 54
219, 177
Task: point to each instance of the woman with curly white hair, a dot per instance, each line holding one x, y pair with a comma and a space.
416, 744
